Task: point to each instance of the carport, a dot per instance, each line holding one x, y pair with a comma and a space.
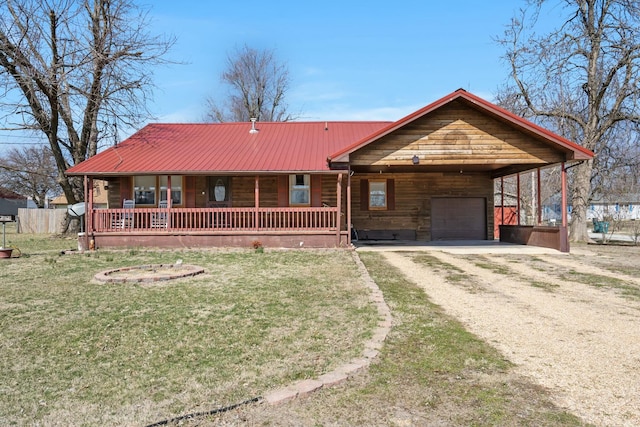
430, 176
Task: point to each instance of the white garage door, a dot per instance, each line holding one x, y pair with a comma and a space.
458, 218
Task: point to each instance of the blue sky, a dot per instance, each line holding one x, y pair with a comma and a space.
347, 60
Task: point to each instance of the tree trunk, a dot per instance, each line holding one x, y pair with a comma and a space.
76, 67
579, 202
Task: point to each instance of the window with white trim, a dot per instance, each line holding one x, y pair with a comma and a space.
176, 189
144, 190
299, 190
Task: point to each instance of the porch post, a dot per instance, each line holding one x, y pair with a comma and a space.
348, 206
169, 203
85, 182
339, 206
518, 191
88, 211
256, 203
539, 200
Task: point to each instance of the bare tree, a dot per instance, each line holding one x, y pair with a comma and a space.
74, 70
581, 79
257, 84
30, 171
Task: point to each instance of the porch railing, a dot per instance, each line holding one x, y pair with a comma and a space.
215, 219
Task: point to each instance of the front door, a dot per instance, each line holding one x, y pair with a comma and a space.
219, 191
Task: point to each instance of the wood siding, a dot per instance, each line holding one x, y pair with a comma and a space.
243, 190
413, 193
456, 135
201, 191
119, 189
323, 191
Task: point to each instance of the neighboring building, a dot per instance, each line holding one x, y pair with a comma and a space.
10, 202
624, 207
428, 176
100, 197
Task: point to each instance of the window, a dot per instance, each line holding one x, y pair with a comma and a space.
176, 189
377, 194
144, 190
299, 190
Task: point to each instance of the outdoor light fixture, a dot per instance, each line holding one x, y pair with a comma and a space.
415, 159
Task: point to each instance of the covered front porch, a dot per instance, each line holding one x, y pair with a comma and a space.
198, 227
197, 221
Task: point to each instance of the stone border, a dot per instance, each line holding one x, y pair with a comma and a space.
181, 270
342, 373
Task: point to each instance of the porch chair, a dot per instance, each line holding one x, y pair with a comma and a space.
159, 219
128, 217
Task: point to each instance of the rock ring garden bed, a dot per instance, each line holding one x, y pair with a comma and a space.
148, 273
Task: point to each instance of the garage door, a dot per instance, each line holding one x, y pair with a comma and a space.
458, 218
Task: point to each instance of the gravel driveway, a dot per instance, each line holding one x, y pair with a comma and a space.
581, 341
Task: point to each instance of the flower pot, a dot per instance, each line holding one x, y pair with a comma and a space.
5, 252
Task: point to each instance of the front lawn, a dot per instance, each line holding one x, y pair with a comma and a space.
74, 351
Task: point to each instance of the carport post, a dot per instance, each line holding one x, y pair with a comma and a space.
564, 195
502, 199
539, 200
518, 191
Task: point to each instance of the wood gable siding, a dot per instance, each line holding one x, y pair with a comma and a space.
456, 135
411, 216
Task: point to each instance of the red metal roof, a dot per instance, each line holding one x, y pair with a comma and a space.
277, 146
227, 147
577, 152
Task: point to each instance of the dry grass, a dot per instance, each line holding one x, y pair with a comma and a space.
431, 371
612, 267
74, 352
78, 352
